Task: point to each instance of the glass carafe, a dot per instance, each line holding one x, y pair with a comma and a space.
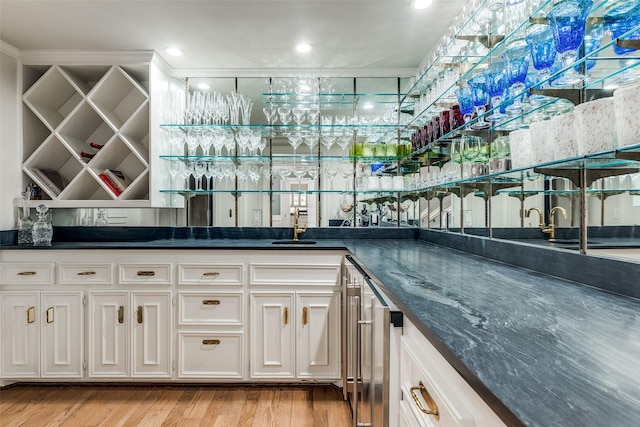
25, 223
42, 228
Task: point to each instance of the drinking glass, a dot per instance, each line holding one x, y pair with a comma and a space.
299, 171
496, 79
197, 171
328, 141
295, 140
206, 140
245, 104
480, 97
255, 136
193, 141
623, 16
465, 101
542, 46
344, 140
284, 111
298, 115
271, 114
516, 59
310, 141
592, 40
331, 171
312, 115
567, 20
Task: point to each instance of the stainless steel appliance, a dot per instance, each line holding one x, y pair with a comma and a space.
369, 318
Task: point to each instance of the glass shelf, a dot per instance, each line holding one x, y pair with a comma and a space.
332, 101
377, 193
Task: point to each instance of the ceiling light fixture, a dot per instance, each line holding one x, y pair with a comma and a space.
173, 51
421, 4
303, 47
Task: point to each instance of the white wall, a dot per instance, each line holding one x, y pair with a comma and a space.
10, 150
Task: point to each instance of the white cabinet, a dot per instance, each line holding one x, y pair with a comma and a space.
41, 334
130, 334
295, 335
434, 394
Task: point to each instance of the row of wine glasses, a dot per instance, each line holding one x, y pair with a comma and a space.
207, 108
200, 140
209, 175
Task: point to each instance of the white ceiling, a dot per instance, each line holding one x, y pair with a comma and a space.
350, 37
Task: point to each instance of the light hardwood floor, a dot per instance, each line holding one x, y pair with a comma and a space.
169, 405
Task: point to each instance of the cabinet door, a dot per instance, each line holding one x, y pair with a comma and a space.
318, 335
151, 340
272, 332
62, 327
109, 323
20, 335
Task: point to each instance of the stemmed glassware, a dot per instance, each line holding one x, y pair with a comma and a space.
516, 59
328, 141
245, 104
295, 139
480, 100
621, 17
331, 171
592, 40
298, 115
541, 44
312, 115
344, 140
496, 80
284, 111
310, 141
271, 114
567, 20
206, 140
465, 101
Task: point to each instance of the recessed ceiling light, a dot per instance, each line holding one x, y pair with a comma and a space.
204, 86
421, 4
303, 47
173, 51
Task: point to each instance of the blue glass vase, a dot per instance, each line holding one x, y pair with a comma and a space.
496, 79
567, 20
623, 20
465, 101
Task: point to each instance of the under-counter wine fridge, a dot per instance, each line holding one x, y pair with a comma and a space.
369, 322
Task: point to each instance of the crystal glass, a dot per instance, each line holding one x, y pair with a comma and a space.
312, 115
328, 141
496, 80
101, 220
567, 20
295, 140
516, 58
25, 223
246, 104
331, 170
298, 115
621, 17
344, 140
480, 97
542, 46
271, 114
465, 101
42, 230
310, 141
284, 111
592, 40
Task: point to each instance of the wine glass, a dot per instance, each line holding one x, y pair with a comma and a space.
310, 141
621, 17
299, 171
567, 20
456, 153
284, 111
298, 115
271, 114
542, 46
344, 140
496, 80
592, 40
331, 171
206, 141
480, 97
465, 102
328, 141
197, 171
516, 59
346, 207
295, 140
312, 115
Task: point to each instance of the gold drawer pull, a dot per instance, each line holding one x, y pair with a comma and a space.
210, 342
50, 315
305, 315
433, 407
211, 302
211, 274
31, 314
139, 314
27, 273
146, 273
86, 273
286, 315
121, 314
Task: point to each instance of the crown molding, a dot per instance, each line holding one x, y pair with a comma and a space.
81, 57
10, 50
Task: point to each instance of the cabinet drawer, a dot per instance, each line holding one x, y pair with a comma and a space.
211, 355
201, 308
156, 274
208, 274
27, 273
95, 274
295, 274
421, 382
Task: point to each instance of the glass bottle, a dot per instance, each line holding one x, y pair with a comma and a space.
25, 223
102, 218
42, 228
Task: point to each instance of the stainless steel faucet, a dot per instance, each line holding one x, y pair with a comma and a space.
296, 229
551, 229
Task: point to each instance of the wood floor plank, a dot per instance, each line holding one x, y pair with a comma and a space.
173, 405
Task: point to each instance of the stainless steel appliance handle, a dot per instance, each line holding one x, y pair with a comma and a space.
355, 369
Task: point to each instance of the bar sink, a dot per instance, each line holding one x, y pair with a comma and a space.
294, 242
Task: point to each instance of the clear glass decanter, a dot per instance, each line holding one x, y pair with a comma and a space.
42, 228
25, 223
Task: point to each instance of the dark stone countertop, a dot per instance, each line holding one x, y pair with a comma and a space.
549, 351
